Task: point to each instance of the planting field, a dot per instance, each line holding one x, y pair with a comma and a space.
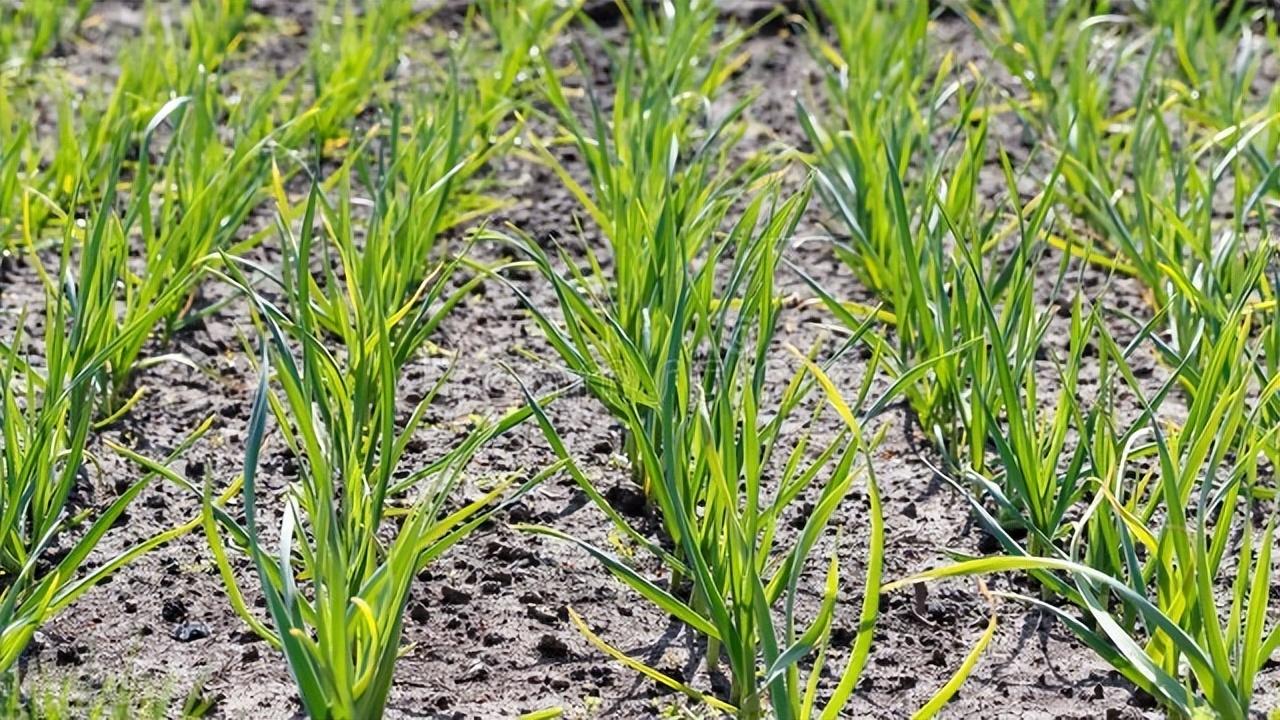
630, 359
